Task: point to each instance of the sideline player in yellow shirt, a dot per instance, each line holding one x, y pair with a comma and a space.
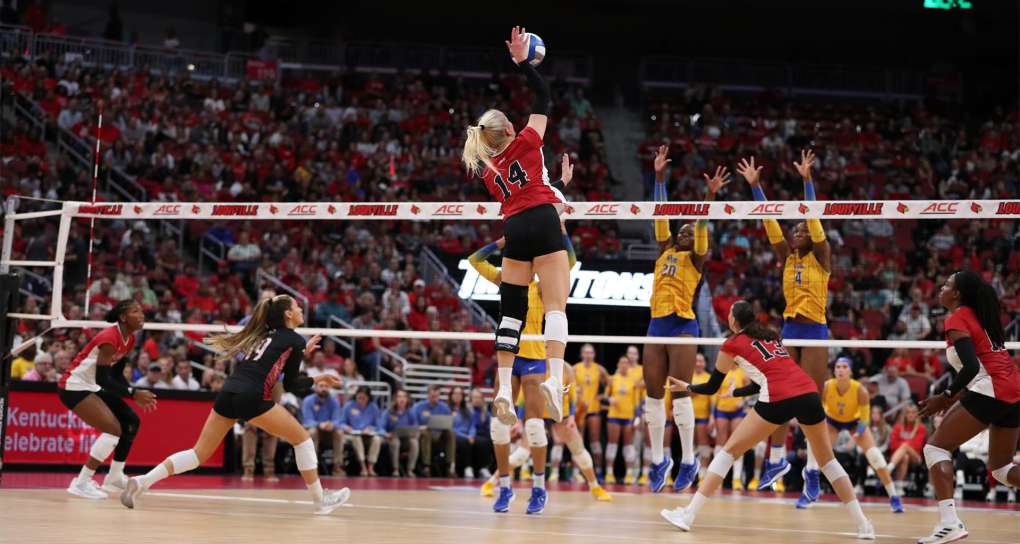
702, 405
591, 378
807, 265
677, 275
848, 408
623, 394
528, 373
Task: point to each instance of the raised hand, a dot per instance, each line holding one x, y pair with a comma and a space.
751, 173
566, 170
518, 44
718, 181
661, 159
807, 160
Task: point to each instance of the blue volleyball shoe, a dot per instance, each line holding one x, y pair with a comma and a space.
502, 504
685, 476
657, 474
536, 504
771, 473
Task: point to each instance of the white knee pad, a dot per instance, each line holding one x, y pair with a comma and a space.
683, 412
759, 449
834, 471
304, 454
499, 432
519, 457
721, 463
875, 458
703, 451
934, 455
103, 446
655, 413
1002, 472
556, 326
534, 428
583, 460
629, 454
596, 448
184, 461
556, 455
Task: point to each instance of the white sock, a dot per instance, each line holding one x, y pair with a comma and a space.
890, 489
684, 421
504, 481
116, 469
855, 510
556, 456
777, 454
655, 415
556, 369
316, 490
947, 512
812, 463
646, 456
538, 480
667, 452
85, 475
505, 377
156, 474
697, 501
738, 469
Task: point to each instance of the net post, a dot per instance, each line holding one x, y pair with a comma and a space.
56, 297
10, 285
10, 208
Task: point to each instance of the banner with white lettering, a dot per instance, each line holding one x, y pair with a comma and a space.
875, 209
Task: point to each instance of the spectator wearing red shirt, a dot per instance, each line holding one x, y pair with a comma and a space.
721, 303
186, 284
906, 442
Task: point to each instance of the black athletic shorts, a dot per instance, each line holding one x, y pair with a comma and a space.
533, 233
990, 410
120, 408
806, 409
246, 406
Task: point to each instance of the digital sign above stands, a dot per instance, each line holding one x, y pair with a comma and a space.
593, 287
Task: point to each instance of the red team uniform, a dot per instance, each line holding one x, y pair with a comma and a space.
997, 378
522, 182
81, 375
786, 392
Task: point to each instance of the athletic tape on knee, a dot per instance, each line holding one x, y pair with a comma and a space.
304, 454
683, 412
834, 471
499, 432
629, 454
183, 461
103, 446
875, 458
934, 455
1001, 474
583, 460
519, 457
721, 463
556, 326
534, 428
655, 412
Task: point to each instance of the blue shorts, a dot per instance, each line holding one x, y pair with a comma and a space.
805, 331
524, 366
673, 325
620, 421
700, 421
728, 415
843, 425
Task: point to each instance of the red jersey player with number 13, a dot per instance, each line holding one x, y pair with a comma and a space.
513, 169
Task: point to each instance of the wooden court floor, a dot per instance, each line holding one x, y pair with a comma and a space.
448, 512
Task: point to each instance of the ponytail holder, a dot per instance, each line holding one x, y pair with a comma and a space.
481, 126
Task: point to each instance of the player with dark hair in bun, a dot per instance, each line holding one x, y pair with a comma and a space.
93, 388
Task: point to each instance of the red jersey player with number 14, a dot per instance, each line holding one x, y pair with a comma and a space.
513, 168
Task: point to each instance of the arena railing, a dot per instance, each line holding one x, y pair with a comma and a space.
433, 271
351, 346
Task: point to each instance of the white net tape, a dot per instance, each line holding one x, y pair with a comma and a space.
907, 209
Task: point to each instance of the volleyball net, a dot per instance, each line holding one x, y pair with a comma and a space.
66, 212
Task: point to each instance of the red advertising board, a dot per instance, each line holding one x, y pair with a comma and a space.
262, 70
40, 430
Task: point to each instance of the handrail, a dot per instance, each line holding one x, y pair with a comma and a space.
261, 274
203, 250
350, 345
433, 267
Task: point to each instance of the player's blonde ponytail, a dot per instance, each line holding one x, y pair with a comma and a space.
267, 315
485, 140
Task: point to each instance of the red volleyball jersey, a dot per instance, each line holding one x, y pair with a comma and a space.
81, 375
997, 376
768, 364
521, 180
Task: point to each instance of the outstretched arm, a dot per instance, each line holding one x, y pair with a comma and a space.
820, 245
518, 46
715, 183
662, 234
752, 174
486, 269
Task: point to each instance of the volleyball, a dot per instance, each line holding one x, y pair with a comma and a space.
536, 49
